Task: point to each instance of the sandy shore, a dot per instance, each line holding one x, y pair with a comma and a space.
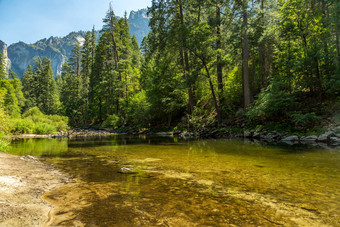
23, 180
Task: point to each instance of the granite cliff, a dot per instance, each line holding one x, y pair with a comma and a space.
4, 52
139, 24
56, 49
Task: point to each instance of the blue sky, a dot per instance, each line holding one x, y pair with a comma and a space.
32, 20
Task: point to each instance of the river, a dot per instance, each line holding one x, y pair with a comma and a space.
176, 182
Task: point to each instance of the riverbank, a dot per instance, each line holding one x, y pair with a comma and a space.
328, 136
73, 133
23, 180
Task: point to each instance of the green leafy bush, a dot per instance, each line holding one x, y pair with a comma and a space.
22, 126
3, 145
59, 122
111, 121
34, 121
307, 120
43, 128
273, 104
137, 111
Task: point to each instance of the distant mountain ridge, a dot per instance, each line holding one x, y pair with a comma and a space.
20, 54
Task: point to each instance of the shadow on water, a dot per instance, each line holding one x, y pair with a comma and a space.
118, 140
177, 182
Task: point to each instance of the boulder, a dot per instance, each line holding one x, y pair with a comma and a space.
126, 170
325, 137
257, 135
259, 129
335, 140
309, 138
247, 134
291, 138
187, 134
164, 133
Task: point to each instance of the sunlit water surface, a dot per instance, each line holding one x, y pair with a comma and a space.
178, 182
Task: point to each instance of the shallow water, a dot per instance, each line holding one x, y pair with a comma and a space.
178, 182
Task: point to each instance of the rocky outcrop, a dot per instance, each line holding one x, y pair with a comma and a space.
139, 24
325, 137
58, 50
22, 55
4, 52
291, 138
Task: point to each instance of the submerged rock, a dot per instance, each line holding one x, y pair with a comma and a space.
126, 170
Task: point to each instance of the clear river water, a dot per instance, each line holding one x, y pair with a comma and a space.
166, 181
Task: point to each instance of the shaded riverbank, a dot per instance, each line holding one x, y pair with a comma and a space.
23, 180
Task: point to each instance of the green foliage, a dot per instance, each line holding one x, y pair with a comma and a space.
3, 145
165, 90
273, 104
4, 117
137, 111
40, 88
58, 122
22, 126
34, 121
233, 89
11, 104
112, 121
305, 121
44, 128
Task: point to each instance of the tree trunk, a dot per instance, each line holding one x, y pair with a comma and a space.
263, 53
337, 36
219, 57
219, 118
263, 66
185, 60
246, 90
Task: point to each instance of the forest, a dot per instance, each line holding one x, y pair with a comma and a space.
212, 63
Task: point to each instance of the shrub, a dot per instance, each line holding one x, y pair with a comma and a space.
273, 104
43, 128
136, 112
111, 121
60, 122
22, 126
307, 120
3, 145
55, 122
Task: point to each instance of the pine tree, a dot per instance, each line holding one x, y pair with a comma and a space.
29, 86
71, 95
87, 61
40, 88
